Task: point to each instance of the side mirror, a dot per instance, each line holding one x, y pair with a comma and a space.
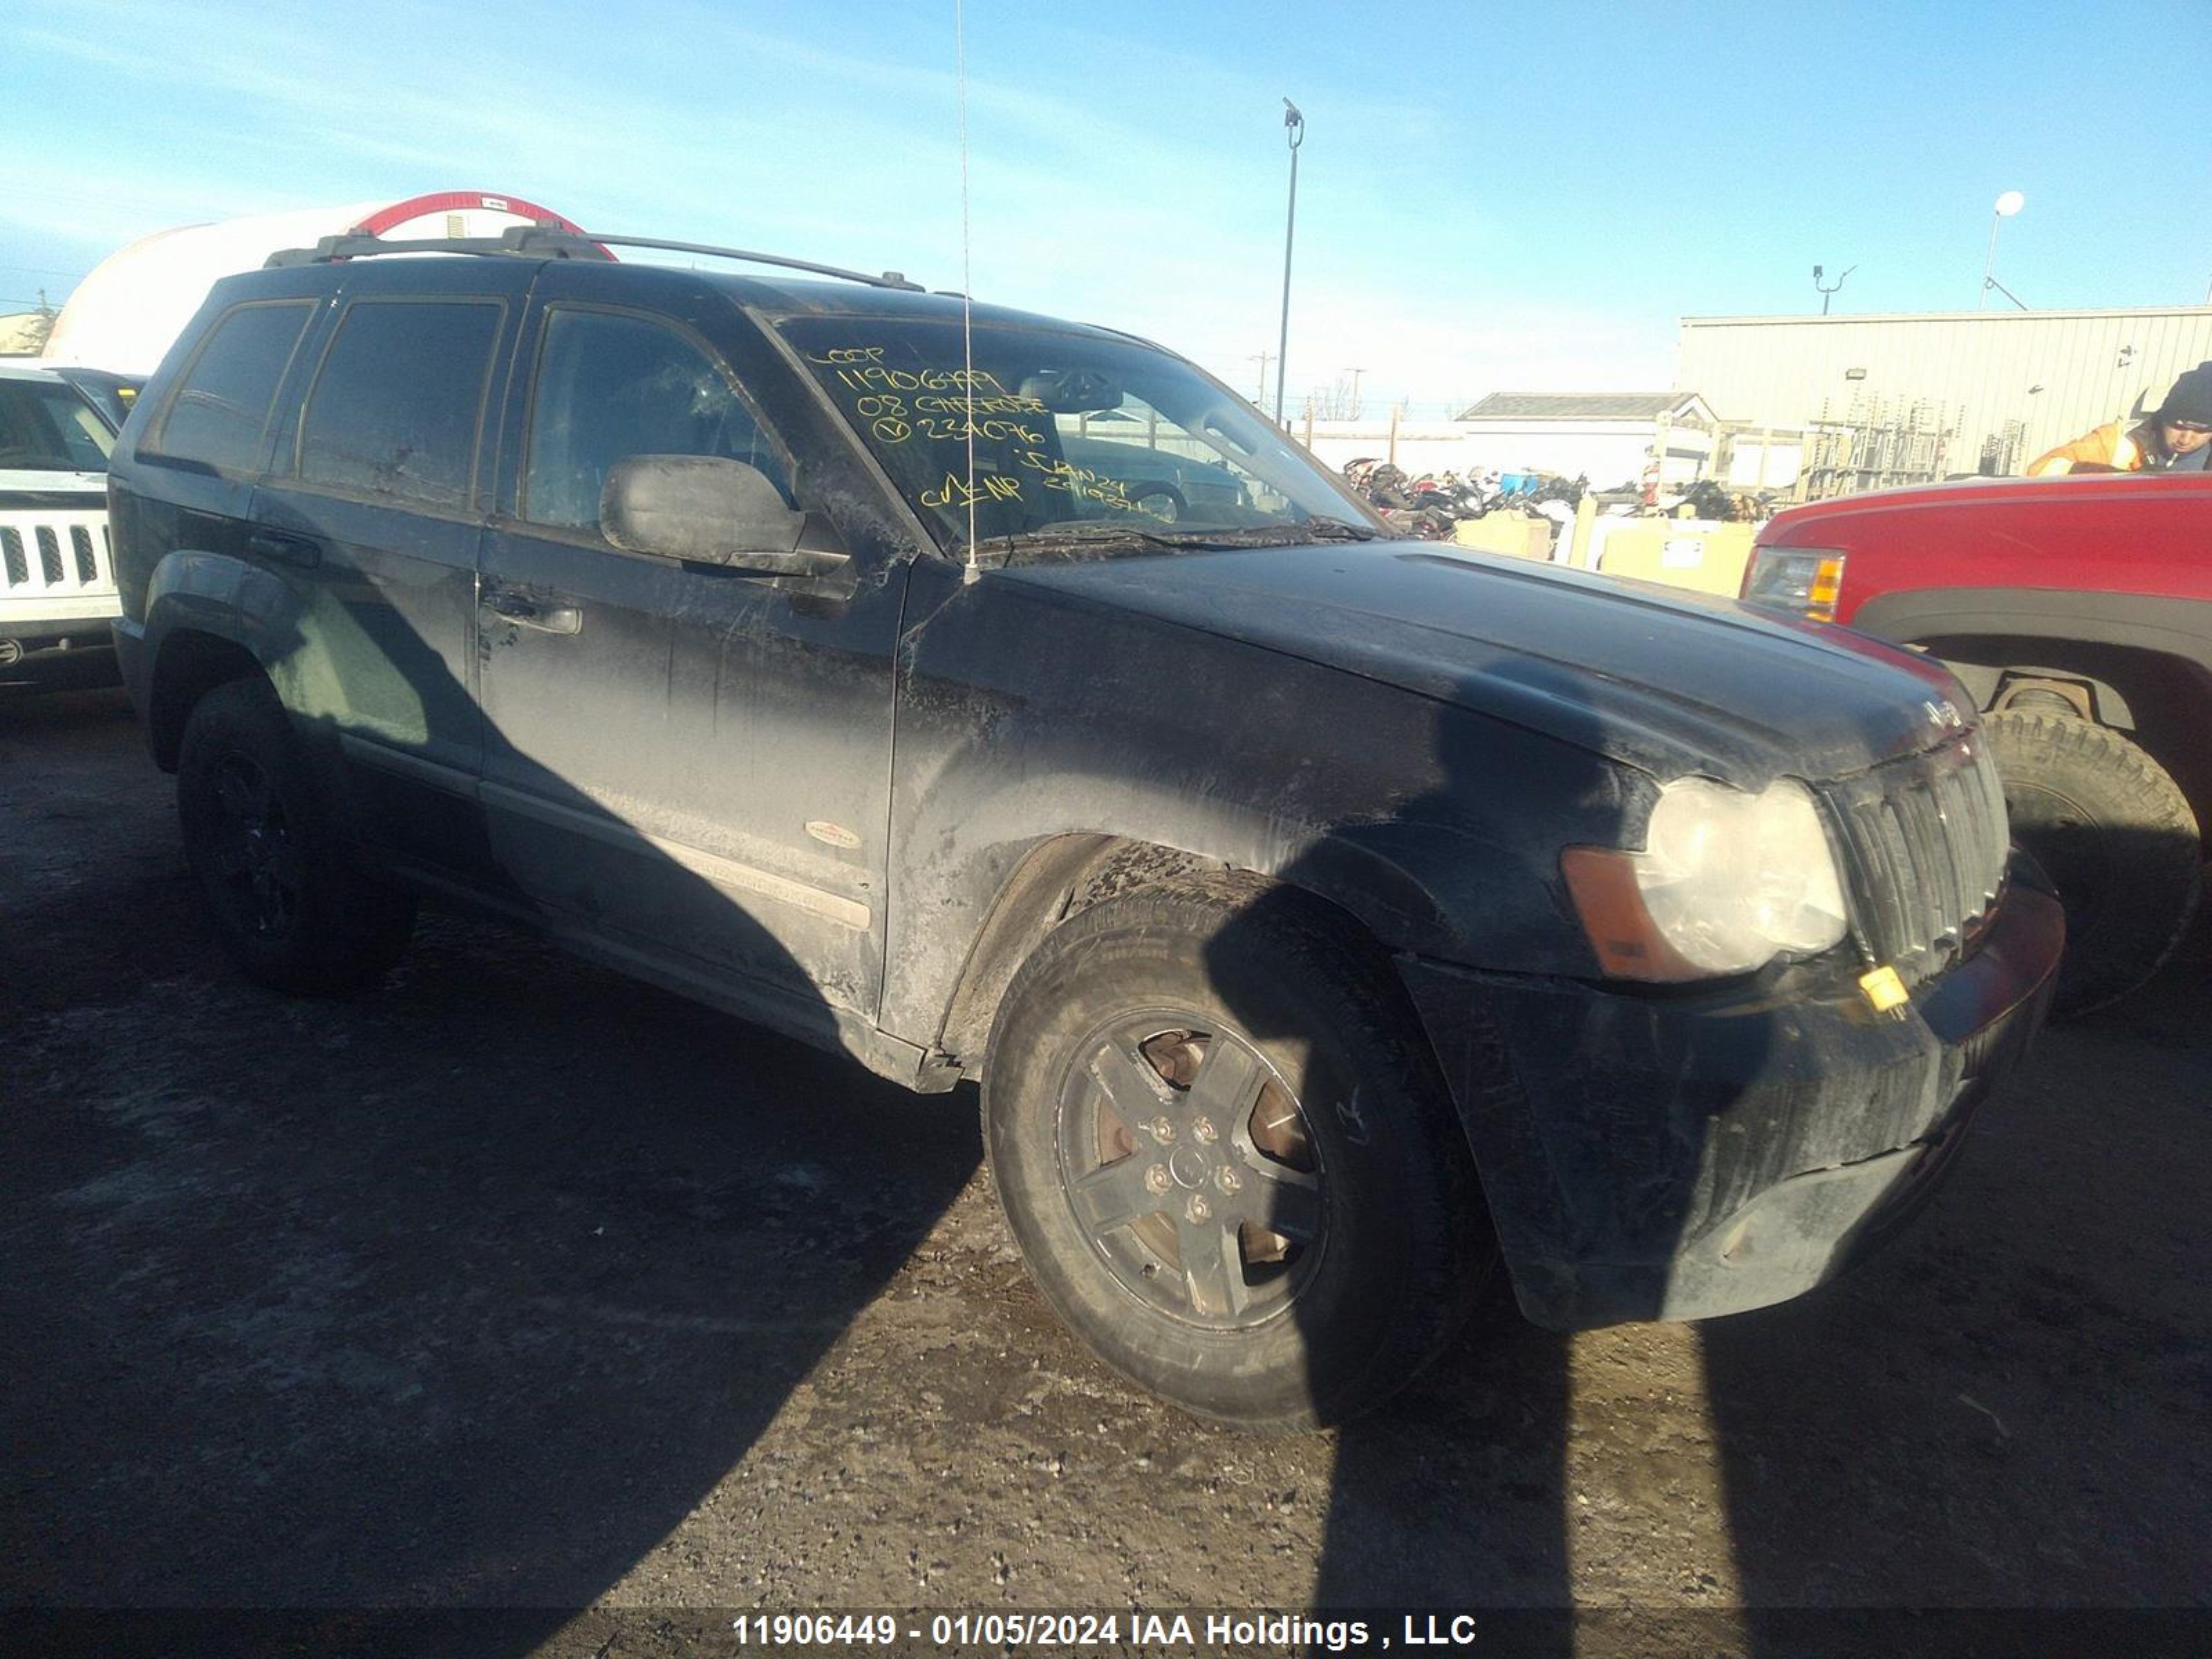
707, 510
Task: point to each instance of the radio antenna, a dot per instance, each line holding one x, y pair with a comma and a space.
967, 279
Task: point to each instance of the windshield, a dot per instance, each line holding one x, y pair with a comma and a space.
45, 428
1075, 439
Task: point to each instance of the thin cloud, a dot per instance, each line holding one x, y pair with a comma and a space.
1109, 192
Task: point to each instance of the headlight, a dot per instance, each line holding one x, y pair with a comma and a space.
1726, 882
1806, 581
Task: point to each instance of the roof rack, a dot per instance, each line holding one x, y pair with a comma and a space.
542, 241
888, 279
537, 241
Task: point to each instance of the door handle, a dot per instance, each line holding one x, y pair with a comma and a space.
525, 612
292, 549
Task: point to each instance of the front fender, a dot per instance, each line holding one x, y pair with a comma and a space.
1438, 830
1942, 617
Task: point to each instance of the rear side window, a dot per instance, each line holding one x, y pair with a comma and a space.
221, 410
611, 386
396, 409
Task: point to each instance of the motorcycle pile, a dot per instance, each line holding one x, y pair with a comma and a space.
1432, 504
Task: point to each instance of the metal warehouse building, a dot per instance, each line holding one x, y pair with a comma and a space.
1815, 406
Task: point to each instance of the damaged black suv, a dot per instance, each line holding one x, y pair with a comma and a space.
1329, 919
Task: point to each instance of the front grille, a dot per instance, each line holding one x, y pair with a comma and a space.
55, 559
1927, 845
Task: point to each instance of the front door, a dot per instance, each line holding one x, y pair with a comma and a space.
688, 765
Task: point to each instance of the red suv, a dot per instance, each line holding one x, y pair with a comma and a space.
2077, 610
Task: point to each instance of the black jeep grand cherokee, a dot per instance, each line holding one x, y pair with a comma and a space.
1327, 917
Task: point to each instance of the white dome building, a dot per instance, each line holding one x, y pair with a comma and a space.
124, 314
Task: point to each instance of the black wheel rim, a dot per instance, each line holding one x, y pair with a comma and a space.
256, 862
1189, 1166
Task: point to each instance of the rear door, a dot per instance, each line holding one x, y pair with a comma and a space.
690, 764
371, 510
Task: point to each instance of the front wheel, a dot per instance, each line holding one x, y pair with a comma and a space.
1228, 1156
290, 907
2116, 837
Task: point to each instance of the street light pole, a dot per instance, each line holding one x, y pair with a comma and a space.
2007, 205
1294, 129
1828, 291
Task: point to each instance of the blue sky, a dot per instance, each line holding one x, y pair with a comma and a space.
1489, 198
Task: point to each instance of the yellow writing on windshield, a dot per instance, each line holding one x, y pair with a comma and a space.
1082, 483
874, 377
1009, 405
956, 491
942, 406
892, 403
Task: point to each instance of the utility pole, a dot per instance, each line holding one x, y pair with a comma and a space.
1355, 373
1294, 130
1262, 358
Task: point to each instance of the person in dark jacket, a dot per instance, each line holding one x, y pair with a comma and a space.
2178, 438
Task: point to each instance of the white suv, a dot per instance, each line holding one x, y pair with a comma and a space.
57, 580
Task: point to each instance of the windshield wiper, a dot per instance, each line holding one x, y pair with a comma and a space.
1228, 537
1323, 528
1071, 535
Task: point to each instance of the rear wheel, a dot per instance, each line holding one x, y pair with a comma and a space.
2116, 837
290, 907
1228, 1156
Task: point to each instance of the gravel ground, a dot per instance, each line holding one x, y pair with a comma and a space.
516, 1284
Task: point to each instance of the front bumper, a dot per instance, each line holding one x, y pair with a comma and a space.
56, 635
1653, 1156
55, 651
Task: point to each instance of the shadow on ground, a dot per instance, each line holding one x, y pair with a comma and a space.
2003, 1409
468, 1295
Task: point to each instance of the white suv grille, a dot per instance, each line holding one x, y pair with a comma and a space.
55, 564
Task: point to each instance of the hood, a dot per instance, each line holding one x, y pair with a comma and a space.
1804, 523
1669, 682
32, 486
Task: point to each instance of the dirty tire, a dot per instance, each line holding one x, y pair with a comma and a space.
1349, 1237
2117, 839
290, 907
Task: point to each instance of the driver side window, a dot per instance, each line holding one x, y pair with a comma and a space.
611, 386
